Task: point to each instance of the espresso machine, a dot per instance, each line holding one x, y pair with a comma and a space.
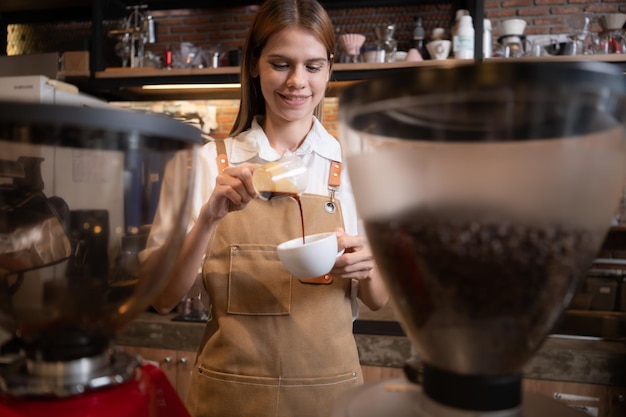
75, 184
505, 180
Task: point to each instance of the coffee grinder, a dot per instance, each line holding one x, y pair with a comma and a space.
505, 180
76, 183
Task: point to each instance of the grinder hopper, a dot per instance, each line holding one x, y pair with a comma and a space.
505, 177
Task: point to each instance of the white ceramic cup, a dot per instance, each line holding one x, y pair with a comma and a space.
401, 55
313, 258
439, 49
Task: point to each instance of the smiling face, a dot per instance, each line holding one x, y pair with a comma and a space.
293, 70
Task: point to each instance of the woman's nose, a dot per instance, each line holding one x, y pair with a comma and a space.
297, 78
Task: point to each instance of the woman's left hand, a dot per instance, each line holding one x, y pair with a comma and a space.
357, 263
357, 260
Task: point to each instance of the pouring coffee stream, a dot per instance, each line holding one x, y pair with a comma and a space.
269, 195
285, 177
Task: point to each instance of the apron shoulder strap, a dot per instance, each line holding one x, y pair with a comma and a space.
334, 176
334, 183
222, 157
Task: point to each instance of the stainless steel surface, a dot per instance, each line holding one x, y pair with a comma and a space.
108, 369
399, 398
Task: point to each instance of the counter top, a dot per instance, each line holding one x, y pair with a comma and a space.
561, 358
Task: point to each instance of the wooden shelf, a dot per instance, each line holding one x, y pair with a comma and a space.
127, 84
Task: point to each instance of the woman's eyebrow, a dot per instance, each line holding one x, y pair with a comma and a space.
286, 58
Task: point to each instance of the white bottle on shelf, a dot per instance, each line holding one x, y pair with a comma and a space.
487, 39
463, 41
455, 27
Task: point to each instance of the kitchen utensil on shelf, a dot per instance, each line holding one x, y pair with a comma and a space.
413, 55
612, 39
579, 24
581, 41
385, 39
505, 178
439, 49
570, 47
351, 44
512, 27
512, 41
612, 21
438, 33
401, 55
133, 33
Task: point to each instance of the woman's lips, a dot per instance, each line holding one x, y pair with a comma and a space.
296, 99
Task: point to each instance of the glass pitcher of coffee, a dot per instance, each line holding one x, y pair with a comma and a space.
285, 177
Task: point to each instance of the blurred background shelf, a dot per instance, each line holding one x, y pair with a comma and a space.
128, 84
96, 12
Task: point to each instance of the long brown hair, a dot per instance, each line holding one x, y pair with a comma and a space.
272, 17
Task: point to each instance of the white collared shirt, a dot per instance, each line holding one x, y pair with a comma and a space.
253, 147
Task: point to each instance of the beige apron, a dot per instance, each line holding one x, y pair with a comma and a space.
275, 346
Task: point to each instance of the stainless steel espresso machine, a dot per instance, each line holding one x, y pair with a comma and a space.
76, 183
486, 191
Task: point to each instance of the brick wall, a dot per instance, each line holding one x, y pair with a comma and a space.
227, 27
550, 16
226, 112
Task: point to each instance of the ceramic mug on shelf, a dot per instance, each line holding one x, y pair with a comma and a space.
439, 49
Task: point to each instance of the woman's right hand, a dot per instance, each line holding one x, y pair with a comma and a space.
233, 191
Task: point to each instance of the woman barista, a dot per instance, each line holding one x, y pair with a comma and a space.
275, 345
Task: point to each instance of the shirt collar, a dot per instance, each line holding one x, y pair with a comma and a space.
253, 143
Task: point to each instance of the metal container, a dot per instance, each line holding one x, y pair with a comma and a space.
77, 188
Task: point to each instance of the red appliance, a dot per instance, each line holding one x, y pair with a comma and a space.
147, 394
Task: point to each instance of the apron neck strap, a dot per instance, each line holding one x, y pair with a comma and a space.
222, 158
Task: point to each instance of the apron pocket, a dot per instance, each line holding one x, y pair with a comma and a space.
258, 284
313, 397
218, 394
